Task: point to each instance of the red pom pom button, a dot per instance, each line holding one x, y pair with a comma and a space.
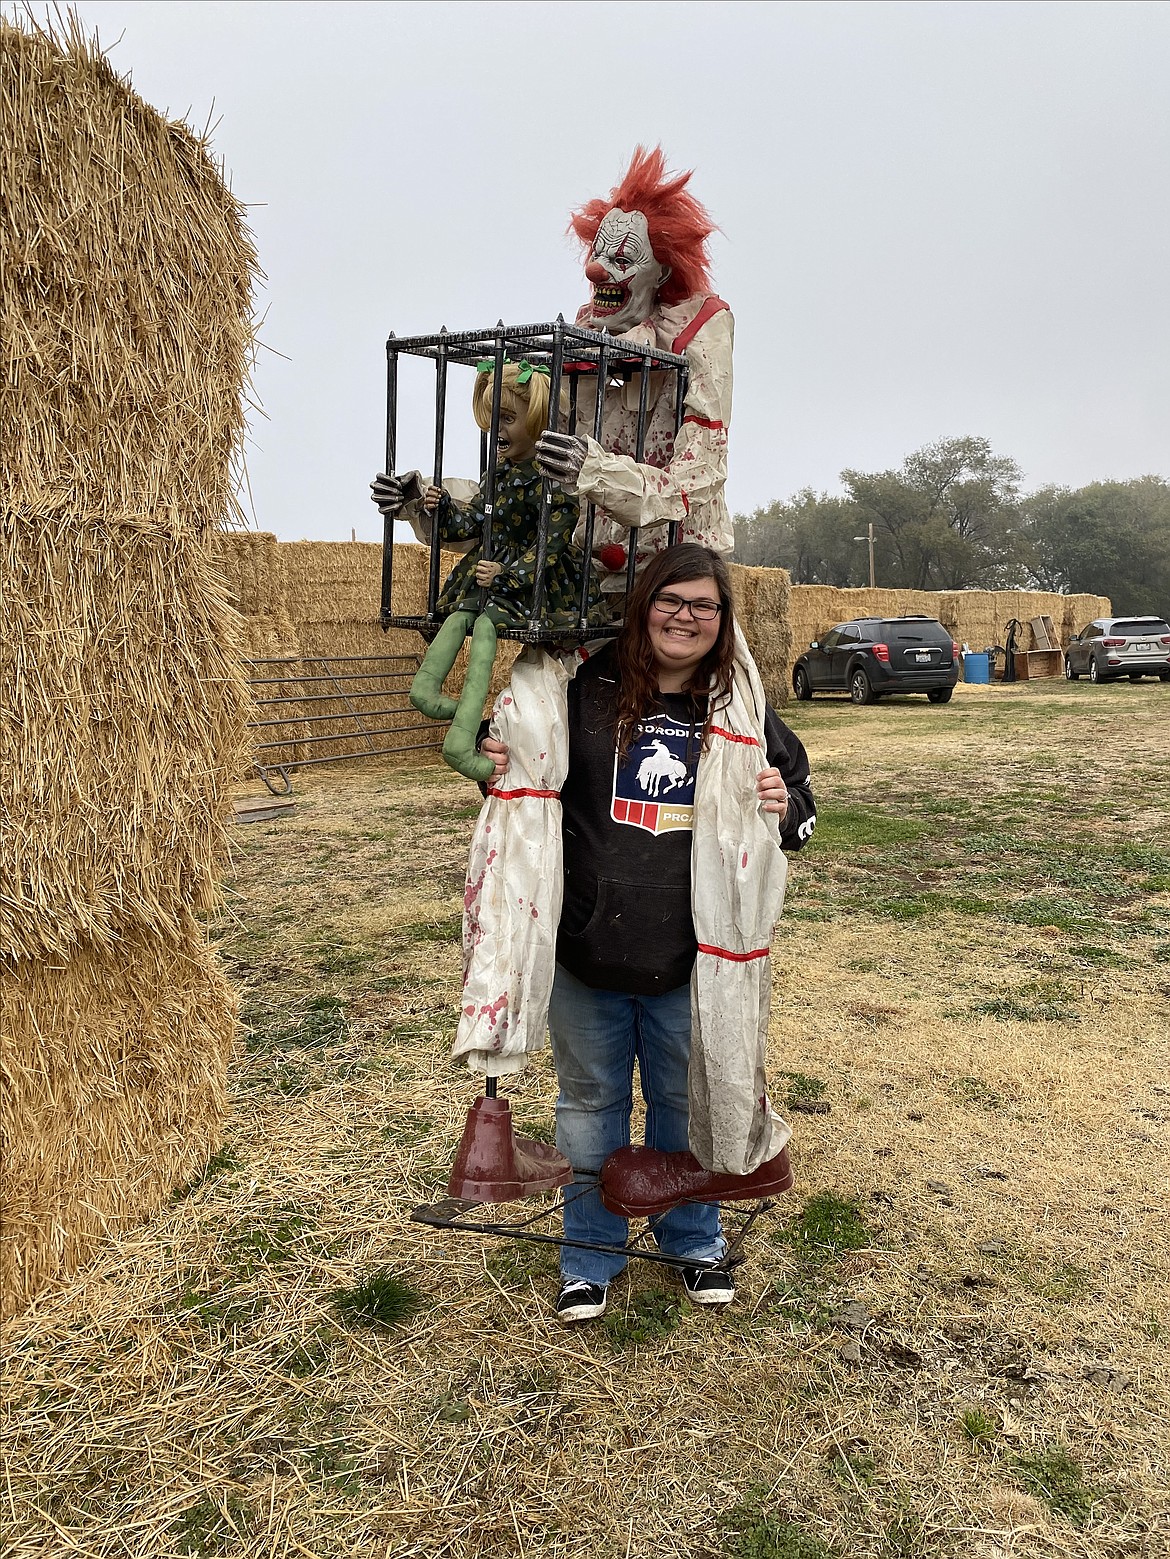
612, 556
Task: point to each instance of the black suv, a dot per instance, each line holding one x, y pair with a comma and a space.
875, 655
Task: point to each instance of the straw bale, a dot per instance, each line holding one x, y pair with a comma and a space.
253, 567
131, 269
122, 729
337, 581
113, 1070
762, 605
1078, 611
126, 355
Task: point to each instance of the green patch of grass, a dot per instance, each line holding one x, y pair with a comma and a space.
801, 1304
974, 1091
968, 904
846, 828
450, 1409
828, 1224
649, 1317
332, 1466
268, 1243
289, 1079
537, 1130
904, 1536
222, 1162
303, 1358
407, 1129
514, 1264
803, 1089
978, 1426
321, 1022
447, 929
1054, 1476
211, 1527
1089, 954
1037, 1001
854, 1469
222, 1313
1065, 914
753, 1532
1061, 1281
380, 1299
342, 959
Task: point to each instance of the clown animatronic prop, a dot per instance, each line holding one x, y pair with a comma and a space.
648, 268
648, 368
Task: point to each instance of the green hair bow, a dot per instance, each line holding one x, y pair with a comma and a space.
487, 365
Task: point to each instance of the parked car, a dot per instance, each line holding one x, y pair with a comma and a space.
1133, 647
871, 656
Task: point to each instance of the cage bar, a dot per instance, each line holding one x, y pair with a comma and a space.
591, 353
388, 467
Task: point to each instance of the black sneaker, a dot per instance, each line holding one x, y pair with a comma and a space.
708, 1288
580, 1301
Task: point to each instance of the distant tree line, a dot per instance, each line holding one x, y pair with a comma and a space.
954, 518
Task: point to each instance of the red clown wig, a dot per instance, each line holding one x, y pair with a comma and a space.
679, 225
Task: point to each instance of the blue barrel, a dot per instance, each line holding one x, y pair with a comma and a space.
976, 668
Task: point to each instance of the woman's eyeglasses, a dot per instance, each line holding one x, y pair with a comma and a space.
670, 605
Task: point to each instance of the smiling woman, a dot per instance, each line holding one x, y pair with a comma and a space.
673, 756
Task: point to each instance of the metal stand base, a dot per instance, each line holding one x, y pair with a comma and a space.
452, 1213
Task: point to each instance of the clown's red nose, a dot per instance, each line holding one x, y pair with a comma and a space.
595, 272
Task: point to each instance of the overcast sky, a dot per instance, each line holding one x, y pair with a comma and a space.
936, 219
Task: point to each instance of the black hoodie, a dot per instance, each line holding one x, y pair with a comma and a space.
626, 921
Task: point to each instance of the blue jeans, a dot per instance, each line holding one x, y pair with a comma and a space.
596, 1037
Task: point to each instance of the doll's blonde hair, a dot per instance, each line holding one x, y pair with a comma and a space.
531, 398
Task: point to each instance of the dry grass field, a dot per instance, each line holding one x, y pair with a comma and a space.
950, 1339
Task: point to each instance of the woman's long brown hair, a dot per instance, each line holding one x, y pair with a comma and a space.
638, 694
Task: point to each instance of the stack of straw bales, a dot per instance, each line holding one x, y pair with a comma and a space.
128, 339
978, 618
304, 599
763, 609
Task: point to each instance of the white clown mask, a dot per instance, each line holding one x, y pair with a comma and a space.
624, 272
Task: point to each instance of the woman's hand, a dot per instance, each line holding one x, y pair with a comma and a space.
485, 573
431, 498
772, 791
497, 751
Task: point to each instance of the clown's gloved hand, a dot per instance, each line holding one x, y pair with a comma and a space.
561, 456
391, 492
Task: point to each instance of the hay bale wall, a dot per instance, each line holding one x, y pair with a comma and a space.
127, 345
328, 594
975, 617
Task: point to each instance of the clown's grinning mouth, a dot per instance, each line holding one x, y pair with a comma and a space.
607, 299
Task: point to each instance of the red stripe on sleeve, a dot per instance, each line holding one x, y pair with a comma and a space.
688, 333
705, 422
736, 958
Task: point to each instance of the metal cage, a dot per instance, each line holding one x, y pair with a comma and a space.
570, 353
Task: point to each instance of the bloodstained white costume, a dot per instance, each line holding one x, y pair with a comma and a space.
682, 475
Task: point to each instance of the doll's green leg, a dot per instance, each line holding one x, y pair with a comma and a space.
459, 748
426, 691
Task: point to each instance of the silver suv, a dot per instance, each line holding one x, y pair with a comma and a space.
1133, 647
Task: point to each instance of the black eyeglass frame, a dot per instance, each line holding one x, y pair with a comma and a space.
704, 616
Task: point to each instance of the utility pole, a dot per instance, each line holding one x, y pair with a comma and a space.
869, 538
